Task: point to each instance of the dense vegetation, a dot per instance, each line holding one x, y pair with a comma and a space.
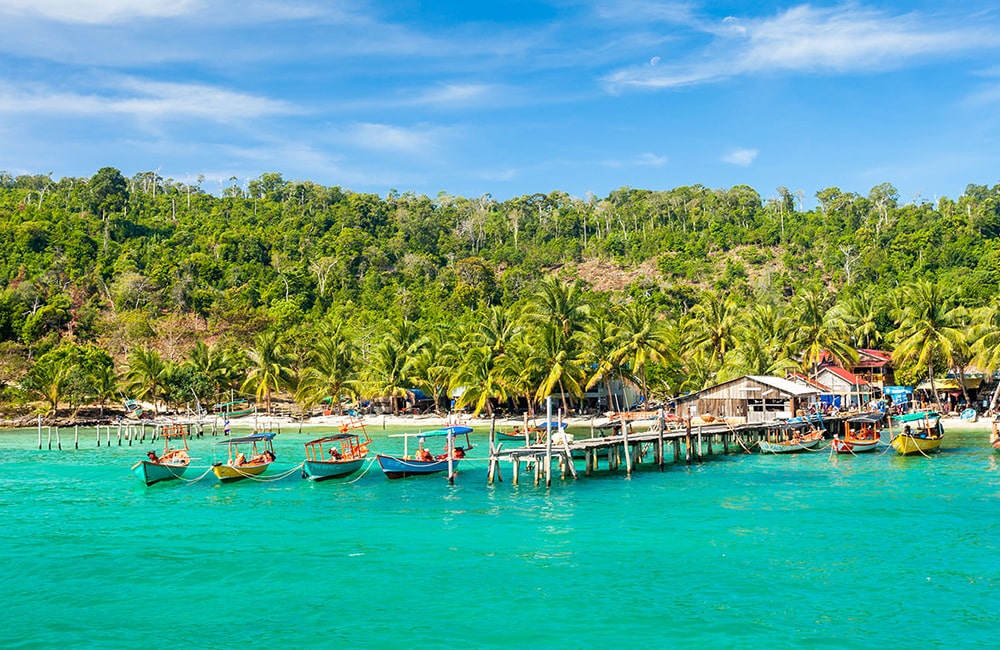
157, 289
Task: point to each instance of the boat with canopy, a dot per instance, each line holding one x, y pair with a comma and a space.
169, 465
239, 466
338, 455
423, 461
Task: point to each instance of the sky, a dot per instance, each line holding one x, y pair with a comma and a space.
507, 98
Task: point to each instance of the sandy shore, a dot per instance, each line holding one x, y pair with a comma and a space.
428, 421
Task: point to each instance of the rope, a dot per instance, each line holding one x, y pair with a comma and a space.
371, 461
270, 479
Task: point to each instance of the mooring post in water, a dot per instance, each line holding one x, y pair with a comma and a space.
108, 433
659, 440
76, 437
515, 468
50, 438
687, 439
58, 440
39, 431
548, 441
700, 455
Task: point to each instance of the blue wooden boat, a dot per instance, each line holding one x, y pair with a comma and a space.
172, 463
336, 456
423, 462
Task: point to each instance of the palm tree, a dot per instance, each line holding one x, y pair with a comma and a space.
214, 364
330, 369
712, 326
388, 372
561, 303
643, 338
556, 359
815, 330
761, 348
597, 343
434, 364
985, 339
49, 380
479, 380
859, 311
147, 374
271, 368
930, 330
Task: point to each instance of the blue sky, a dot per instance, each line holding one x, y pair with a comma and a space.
507, 98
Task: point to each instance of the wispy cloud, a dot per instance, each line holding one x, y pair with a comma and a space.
387, 137
741, 157
142, 99
642, 160
809, 39
96, 11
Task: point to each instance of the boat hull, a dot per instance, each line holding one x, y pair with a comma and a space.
152, 473
913, 445
787, 447
395, 467
230, 474
853, 446
320, 470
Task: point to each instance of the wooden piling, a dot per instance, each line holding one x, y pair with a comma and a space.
39, 432
76, 437
58, 440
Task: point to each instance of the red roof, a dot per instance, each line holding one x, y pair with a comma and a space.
846, 375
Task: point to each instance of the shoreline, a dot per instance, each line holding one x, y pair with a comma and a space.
335, 421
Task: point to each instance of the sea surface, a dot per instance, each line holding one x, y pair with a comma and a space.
809, 550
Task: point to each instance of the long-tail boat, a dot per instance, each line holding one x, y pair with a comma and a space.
861, 434
797, 434
338, 455
239, 466
169, 465
423, 461
922, 432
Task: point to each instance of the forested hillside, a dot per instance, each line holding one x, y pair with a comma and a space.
156, 289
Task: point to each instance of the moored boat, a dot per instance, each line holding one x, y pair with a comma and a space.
861, 434
336, 456
238, 466
423, 461
922, 432
169, 465
791, 436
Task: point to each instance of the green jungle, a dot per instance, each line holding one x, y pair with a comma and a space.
157, 290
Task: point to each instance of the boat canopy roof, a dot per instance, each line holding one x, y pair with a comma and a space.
916, 417
555, 425
253, 437
332, 438
794, 425
867, 418
454, 430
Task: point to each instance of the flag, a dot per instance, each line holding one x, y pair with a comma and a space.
225, 428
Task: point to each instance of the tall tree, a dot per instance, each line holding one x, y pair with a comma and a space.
930, 331
271, 367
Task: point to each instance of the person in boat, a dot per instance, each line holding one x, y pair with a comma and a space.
268, 456
907, 431
240, 460
459, 453
152, 457
424, 455
335, 454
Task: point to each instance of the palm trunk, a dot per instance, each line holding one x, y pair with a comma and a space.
930, 376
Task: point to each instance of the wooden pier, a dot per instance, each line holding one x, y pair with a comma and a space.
626, 450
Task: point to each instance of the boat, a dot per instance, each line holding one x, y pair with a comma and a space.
969, 415
172, 463
423, 462
861, 434
922, 432
338, 455
238, 466
995, 434
793, 435
535, 433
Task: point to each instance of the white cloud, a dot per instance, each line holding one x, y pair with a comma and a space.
142, 99
741, 157
386, 137
96, 11
642, 160
809, 39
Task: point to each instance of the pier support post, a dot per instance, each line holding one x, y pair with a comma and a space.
515, 468
58, 440
588, 459
76, 437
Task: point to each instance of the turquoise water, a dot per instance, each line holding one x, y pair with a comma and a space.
761, 551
